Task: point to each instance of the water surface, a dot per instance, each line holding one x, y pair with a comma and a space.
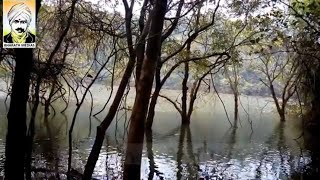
267, 150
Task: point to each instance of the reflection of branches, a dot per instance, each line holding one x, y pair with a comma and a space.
279, 130
232, 142
261, 110
169, 134
193, 166
250, 121
152, 164
51, 137
193, 169
301, 151
180, 152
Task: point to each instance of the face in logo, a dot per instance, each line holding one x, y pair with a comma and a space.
19, 25
19, 17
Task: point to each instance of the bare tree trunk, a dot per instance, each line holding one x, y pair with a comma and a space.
31, 130
274, 96
136, 130
184, 117
141, 46
283, 111
184, 94
16, 134
236, 109
152, 106
155, 96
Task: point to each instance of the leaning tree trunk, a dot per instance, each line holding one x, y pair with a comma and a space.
136, 130
279, 109
16, 134
101, 129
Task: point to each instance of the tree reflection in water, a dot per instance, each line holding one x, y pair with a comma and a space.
50, 132
152, 165
191, 162
206, 149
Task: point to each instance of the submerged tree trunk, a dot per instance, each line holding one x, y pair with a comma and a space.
16, 134
101, 129
136, 130
182, 135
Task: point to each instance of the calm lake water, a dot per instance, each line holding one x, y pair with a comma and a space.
172, 152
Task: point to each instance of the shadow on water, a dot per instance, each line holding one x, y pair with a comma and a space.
277, 137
